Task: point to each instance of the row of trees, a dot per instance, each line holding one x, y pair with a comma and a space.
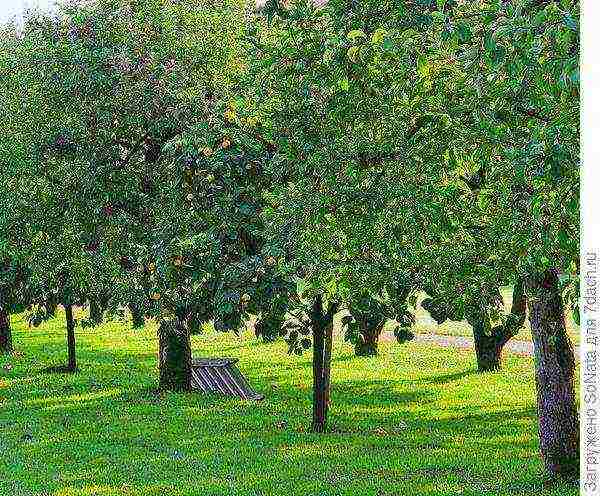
196, 163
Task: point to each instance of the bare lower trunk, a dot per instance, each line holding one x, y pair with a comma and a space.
490, 341
327, 366
319, 404
368, 340
175, 356
554, 376
487, 351
72, 360
6, 345
322, 328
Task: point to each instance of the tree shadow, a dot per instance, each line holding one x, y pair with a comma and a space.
446, 378
59, 369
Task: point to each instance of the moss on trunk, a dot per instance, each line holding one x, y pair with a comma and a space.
175, 356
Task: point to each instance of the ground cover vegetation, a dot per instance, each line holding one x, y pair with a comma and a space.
405, 422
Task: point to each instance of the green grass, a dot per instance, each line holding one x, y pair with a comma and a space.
425, 324
415, 421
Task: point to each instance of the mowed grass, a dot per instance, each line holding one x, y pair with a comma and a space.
415, 421
425, 324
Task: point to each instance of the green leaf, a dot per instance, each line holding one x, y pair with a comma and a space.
246, 208
422, 66
407, 34
539, 18
378, 36
353, 53
489, 44
563, 238
464, 32
356, 34
438, 17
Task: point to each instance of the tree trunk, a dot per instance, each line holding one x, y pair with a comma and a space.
554, 376
367, 344
137, 316
319, 406
96, 311
327, 366
175, 356
72, 360
6, 345
489, 342
487, 350
322, 330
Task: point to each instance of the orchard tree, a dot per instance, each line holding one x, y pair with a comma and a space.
342, 128
368, 314
491, 330
150, 180
519, 82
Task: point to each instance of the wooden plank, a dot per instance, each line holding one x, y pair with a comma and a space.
222, 376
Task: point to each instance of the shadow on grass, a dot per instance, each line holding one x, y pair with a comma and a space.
59, 369
388, 436
446, 378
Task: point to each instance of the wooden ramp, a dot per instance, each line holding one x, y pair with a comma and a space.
220, 375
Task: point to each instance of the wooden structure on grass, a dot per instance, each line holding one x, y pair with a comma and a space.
221, 375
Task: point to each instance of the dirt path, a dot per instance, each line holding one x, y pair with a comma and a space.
523, 348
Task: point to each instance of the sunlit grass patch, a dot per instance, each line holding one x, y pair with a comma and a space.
418, 420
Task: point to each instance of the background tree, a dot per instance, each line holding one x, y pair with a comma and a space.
489, 337
369, 314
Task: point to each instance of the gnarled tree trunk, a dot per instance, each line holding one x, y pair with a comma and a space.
554, 377
175, 356
6, 345
72, 359
487, 350
322, 330
368, 340
490, 341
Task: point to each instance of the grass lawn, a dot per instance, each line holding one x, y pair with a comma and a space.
416, 421
425, 324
